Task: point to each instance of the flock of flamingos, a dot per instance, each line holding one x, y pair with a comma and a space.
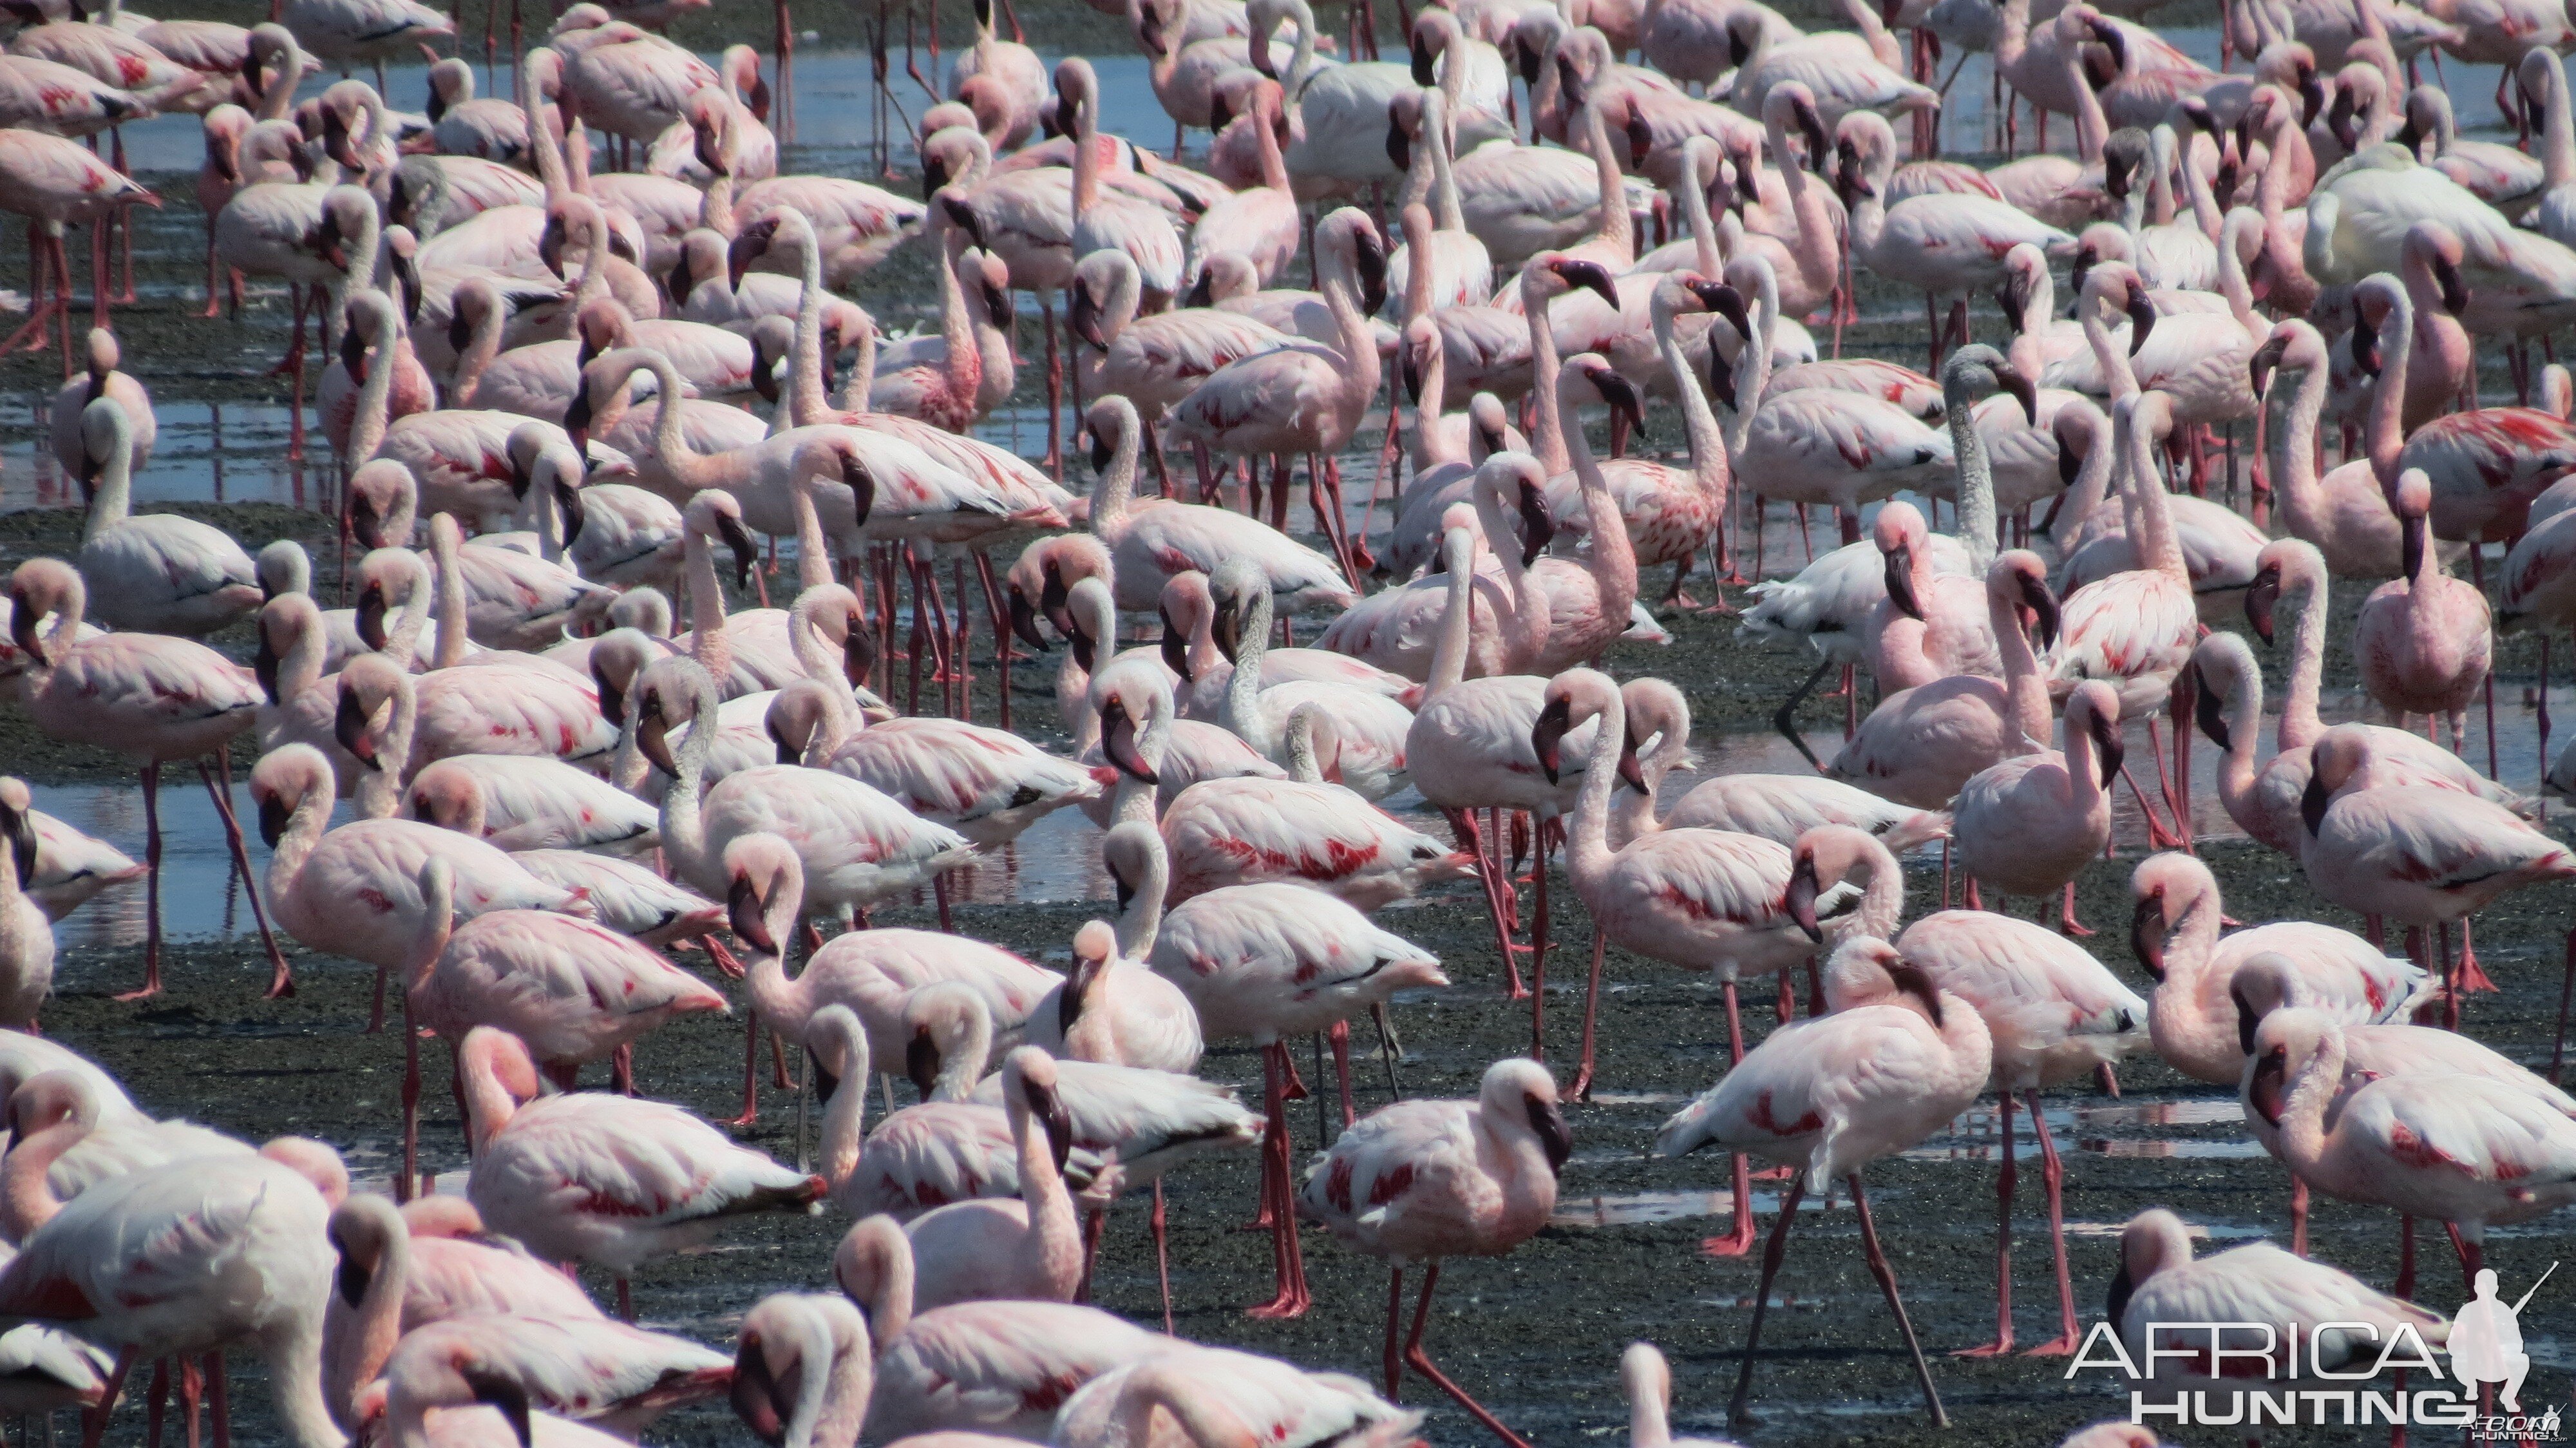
584, 344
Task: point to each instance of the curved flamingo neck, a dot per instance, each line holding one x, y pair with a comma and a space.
2025, 692
1587, 853
1457, 616
2118, 379
2384, 431
1524, 626
1547, 439
1115, 489
2292, 442
1613, 558
1699, 420
1819, 265
2157, 546
380, 790
1618, 229
2236, 771
1054, 1240
2305, 1138
489, 1106
116, 481
27, 1199
1977, 527
1245, 715
2557, 129
2300, 724
481, 346
1446, 208
375, 395
962, 363
376, 1317
684, 826
2083, 776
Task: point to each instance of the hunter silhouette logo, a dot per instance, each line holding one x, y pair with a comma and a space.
2486, 1347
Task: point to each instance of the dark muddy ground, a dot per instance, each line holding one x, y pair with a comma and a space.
1537, 1334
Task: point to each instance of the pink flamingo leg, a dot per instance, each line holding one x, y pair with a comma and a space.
1737, 1415
1739, 1240
151, 885
1339, 1036
1289, 1257
219, 783
2052, 1175
1416, 1359
2298, 1215
94, 1420
2004, 1182
404, 1188
1886, 1275
1582, 1089
1462, 823
1162, 1257
750, 1064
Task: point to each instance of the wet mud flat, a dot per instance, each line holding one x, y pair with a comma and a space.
1536, 1335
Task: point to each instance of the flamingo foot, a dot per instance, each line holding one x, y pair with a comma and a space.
2054, 1347
1733, 1244
2000, 1347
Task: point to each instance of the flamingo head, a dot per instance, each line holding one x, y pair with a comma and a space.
2263, 595
2209, 709
352, 717
1894, 531
2264, 983
446, 798
2439, 247
762, 874
1029, 1083
2100, 707
2019, 578
2166, 887
1614, 391
2285, 1041
658, 699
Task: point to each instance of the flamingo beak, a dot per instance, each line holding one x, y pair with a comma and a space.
2312, 804
1024, 622
2146, 934
744, 550
273, 817
1118, 743
349, 727
1549, 732
1800, 901
1900, 581
758, 1398
743, 913
1548, 1120
2106, 743
2210, 712
1538, 526
507, 1396
2264, 1090
1176, 648
2261, 598
21, 831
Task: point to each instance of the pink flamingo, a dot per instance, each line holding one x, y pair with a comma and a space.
803, 1369
1781, 807
944, 390
1931, 624
2421, 854
2136, 628
1420, 1181
988, 785
2374, 1047
1029, 1248
2345, 514
873, 972
1308, 398
149, 697
68, 1136
1218, 1395
355, 891
56, 183
2027, 825
1189, 632
607, 1180
1369, 728
527, 802
446, 1392
971, 1368
2174, 932
1920, 745
2256, 1283
1503, 525
2424, 639
71, 867
1265, 962
583, 1367
2056, 1015
99, 378
26, 934
1892, 1062
945, 1149
189, 1259
1648, 1381
572, 990
396, 1275
2470, 1151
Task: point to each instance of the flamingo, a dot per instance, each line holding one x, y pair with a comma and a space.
1945, 244
1189, 630
26, 935
149, 697
159, 572
71, 867
1370, 728
1149, 543
1218, 1394
1307, 398
572, 990
2344, 514
2500, 1151
2055, 1014
100, 377
1441, 1179
604, 1179
401, 1276
1892, 1062
1123, 223
55, 183
2028, 824
988, 785
1920, 745
193, 1257
1030, 1248
2423, 640
2256, 1283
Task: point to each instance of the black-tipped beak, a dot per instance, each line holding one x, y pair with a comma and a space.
2023, 391
862, 485
1621, 395
744, 250
371, 617
1399, 146
1549, 733
858, 652
1175, 647
2411, 549
273, 816
653, 736
2042, 603
2455, 288
22, 627
1024, 622
1590, 276
577, 414
2271, 1076
349, 727
1082, 314
2142, 318
1202, 291
2107, 746
1538, 527
507, 1396
1800, 900
743, 912
1570, 82
737, 538
1548, 1120
2147, 935
263, 667
921, 1061
353, 355
1368, 254
2246, 1021
1422, 69
2267, 359
2261, 598
758, 1398
1900, 581
1118, 744
1726, 302
1048, 1107
1227, 629
2210, 710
